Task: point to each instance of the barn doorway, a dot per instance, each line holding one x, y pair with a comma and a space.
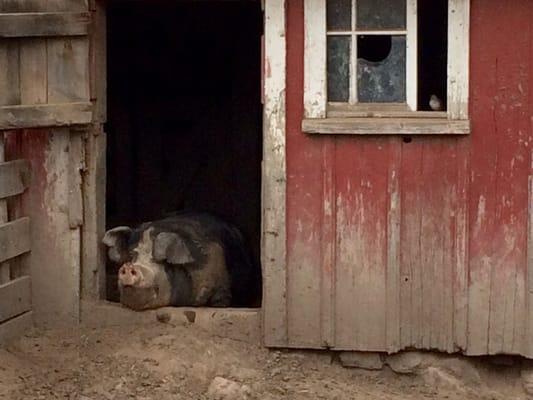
184, 114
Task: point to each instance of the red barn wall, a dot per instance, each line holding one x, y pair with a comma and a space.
394, 244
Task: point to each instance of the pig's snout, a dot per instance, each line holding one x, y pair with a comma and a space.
129, 275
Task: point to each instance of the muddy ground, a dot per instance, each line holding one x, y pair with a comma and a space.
160, 361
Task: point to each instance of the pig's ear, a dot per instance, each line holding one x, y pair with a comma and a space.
170, 247
116, 240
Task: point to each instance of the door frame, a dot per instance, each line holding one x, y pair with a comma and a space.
273, 233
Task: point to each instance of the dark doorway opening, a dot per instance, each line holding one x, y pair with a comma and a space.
184, 114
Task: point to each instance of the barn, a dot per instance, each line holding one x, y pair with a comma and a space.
377, 155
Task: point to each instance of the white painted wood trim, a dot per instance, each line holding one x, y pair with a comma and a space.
315, 93
458, 58
353, 89
273, 248
412, 55
315, 65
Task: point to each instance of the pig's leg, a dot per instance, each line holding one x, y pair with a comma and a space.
211, 280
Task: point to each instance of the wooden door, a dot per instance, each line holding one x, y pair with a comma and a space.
46, 107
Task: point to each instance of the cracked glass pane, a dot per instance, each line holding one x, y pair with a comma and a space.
338, 68
381, 69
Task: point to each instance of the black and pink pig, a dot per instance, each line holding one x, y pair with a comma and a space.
190, 259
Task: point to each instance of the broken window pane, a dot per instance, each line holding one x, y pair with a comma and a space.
339, 15
339, 68
381, 69
381, 14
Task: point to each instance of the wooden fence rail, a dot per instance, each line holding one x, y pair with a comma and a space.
15, 291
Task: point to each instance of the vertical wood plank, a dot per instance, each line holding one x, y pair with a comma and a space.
429, 183
94, 203
458, 58
305, 209
75, 169
55, 265
315, 83
68, 80
499, 161
393, 248
460, 256
98, 59
528, 345
274, 178
328, 249
33, 71
68, 59
411, 293
362, 208
68, 70
9, 72
528, 341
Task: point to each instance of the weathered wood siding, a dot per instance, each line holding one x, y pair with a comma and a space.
15, 285
394, 244
44, 81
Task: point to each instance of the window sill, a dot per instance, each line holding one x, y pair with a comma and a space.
386, 126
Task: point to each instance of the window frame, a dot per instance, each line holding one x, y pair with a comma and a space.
387, 118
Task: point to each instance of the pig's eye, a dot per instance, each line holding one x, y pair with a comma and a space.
122, 272
133, 272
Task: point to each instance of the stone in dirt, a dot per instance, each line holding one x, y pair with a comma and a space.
404, 363
355, 359
163, 317
225, 389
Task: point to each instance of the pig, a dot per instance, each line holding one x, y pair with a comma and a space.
188, 259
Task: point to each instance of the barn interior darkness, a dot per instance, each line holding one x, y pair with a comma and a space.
432, 51
184, 114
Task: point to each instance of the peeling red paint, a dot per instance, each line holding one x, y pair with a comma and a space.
463, 214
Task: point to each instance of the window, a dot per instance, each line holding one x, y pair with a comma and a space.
386, 66
367, 60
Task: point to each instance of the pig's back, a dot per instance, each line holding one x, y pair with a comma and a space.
198, 229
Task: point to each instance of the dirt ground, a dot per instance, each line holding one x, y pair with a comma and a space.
159, 361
